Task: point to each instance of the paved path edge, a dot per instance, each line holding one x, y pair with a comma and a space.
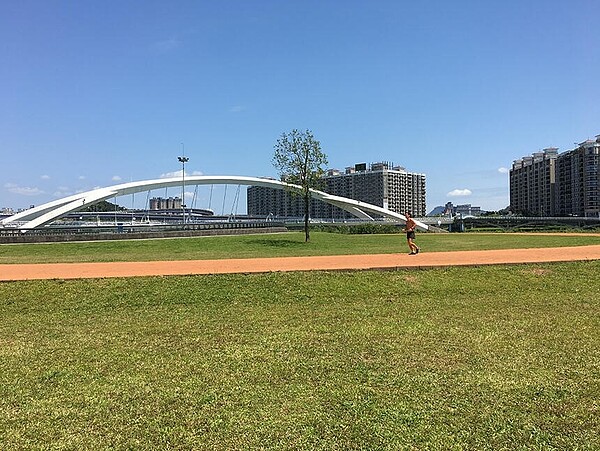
15, 272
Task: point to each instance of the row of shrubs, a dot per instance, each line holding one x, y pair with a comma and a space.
358, 229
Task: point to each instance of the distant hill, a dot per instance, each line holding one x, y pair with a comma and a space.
104, 206
437, 211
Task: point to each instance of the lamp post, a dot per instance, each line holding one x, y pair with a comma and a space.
183, 160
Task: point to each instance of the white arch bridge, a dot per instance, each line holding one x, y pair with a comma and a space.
46, 213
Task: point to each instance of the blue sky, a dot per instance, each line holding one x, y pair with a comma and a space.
97, 93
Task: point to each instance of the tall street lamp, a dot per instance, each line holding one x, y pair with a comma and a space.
183, 160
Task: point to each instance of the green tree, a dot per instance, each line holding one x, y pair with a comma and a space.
299, 159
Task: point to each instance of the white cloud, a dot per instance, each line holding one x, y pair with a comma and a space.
116, 178
81, 177
177, 174
237, 109
23, 190
167, 175
45, 177
167, 45
503, 170
460, 192
62, 191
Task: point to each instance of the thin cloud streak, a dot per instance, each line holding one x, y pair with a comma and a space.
460, 193
23, 190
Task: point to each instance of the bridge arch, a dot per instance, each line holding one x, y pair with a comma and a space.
44, 214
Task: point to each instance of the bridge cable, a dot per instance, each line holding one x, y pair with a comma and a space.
132, 206
235, 202
148, 206
115, 200
224, 196
195, 199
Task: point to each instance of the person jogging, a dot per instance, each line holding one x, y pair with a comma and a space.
409, 228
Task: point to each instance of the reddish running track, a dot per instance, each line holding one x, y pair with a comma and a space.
10, 272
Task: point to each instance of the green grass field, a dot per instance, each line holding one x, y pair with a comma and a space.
276, 245
498, 357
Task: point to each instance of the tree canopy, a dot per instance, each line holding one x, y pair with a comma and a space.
300, 160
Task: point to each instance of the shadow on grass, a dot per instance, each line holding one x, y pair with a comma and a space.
278, 243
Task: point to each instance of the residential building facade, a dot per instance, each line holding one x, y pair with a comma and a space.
161, 203
578, 180
381, 184
551, 184
266, 201
532, 183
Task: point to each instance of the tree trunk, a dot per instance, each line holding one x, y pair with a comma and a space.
306, 217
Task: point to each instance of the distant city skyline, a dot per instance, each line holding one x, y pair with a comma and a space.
95, 94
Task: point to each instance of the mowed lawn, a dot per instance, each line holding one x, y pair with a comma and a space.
503, 357
276, 245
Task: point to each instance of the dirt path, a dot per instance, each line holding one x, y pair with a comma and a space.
257, 265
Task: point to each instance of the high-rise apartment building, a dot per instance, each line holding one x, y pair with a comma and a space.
551, 184
578, 180
161, 203
381, 184
265, 201
532, 183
